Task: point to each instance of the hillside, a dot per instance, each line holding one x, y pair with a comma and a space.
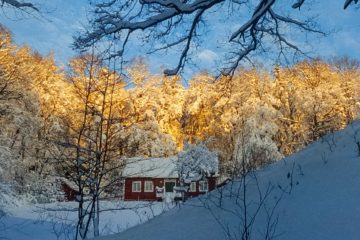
317, 191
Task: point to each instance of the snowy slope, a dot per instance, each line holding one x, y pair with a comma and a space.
323, 202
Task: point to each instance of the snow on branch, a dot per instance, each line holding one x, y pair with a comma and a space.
147, 15
20, 5
169, 24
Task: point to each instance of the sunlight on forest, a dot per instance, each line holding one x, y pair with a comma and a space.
153, 115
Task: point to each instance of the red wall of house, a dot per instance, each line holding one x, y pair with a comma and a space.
211, 185
129, 195
69, 193
158, 182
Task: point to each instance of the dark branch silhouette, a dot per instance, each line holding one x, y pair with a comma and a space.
19, 4
175, 23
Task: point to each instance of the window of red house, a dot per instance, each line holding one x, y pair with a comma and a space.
203, 186
136, 186
148, 186
192, 187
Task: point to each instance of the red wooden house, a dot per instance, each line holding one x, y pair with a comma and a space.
68, 190
157, 179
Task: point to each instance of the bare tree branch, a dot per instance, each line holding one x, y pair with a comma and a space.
19, 4
175, 23
298, 4
348, 2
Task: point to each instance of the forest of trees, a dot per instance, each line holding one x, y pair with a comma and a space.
53, 118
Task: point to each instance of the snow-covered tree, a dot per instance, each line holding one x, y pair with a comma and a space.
291, 135
320, 98
146, 140
20, 117
196, 162
199, 112
254, 144
150, 126
348, 74
171, 104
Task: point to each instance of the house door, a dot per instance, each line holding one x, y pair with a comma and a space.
169, 190
169, 187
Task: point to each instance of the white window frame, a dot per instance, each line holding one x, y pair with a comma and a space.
133, 188
192, 187
201, 185
145, 186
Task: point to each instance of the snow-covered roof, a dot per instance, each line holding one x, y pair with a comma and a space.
68, 182
151, 167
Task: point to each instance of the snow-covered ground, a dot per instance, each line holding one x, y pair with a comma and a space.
313, 194
56, 220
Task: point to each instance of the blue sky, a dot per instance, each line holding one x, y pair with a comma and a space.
63, 18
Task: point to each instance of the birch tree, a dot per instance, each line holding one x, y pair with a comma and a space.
89, 152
